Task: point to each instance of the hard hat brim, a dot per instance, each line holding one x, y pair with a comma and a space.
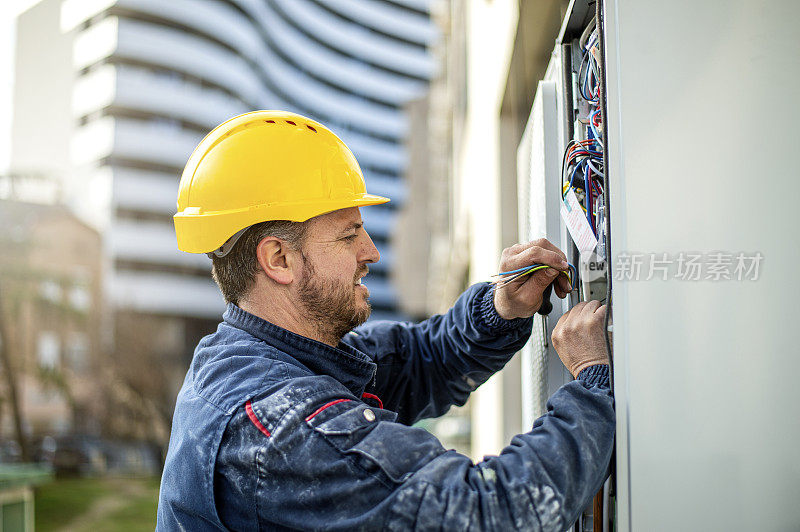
210, 230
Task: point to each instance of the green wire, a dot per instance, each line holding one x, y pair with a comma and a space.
503, 282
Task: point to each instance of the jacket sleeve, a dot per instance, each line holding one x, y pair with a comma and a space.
341, 465
425, 368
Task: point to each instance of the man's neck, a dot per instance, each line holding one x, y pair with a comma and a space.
279, 310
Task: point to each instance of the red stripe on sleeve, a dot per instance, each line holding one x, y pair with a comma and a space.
366, 395
323, 407
249, 408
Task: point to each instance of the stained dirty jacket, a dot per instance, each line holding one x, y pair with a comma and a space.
275, 431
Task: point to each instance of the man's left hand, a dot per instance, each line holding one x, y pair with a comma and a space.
523, 297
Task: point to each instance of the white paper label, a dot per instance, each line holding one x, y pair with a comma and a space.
578, 225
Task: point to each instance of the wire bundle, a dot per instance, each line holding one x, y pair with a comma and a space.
582, 166
589, 71
510, 276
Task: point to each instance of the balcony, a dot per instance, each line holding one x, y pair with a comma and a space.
151, 142
162, 293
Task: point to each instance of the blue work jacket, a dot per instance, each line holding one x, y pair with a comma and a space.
275, 431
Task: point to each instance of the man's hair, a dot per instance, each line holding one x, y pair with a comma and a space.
235, 273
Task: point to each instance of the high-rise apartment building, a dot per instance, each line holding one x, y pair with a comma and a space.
147, 79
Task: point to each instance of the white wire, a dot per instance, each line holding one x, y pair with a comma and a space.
594, 169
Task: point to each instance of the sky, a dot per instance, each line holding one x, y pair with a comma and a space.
9, 9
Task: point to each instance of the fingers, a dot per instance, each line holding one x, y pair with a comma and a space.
539, 255
538, 251
546, 244
578, 308
539, 280
593, 313
599, 318
562, 286
588, 308
523, 294
584, 313
578, 336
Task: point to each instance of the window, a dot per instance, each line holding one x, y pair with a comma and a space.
77, 351
50, 290
47, 349
79, 297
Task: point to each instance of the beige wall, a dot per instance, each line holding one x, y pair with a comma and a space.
52, 312
411, 241
490, 32
508, 46
462, 205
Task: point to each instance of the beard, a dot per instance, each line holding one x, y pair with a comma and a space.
331, 306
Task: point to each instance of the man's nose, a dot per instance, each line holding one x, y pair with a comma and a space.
369, 253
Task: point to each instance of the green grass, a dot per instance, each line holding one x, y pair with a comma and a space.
113, 504
138, 514
61, 501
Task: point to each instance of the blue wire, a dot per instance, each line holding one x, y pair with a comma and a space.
595, 131
573, 278
572, 176
536, 265
593, 153
520, 269
583, 87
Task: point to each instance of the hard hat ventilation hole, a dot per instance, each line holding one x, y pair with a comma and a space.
311, 128
269, 121
290, 122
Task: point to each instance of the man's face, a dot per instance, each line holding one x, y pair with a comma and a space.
335, 255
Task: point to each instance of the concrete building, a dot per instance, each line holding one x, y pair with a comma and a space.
493, 54
51, 317
122, 91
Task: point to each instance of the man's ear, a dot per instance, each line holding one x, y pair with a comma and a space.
275, 260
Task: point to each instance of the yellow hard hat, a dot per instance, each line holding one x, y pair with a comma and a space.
259, 166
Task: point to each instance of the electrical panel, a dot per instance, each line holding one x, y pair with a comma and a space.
707, 419
562, 183
585, 208
583, 178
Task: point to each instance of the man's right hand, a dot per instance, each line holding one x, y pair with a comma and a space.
579, 339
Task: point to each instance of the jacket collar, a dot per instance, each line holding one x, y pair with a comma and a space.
344, 363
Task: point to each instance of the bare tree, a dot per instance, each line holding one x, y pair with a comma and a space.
10, 377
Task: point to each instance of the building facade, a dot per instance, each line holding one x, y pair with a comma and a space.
154, 77
50, 320
115, 94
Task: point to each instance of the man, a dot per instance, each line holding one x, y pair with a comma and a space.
294, 415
